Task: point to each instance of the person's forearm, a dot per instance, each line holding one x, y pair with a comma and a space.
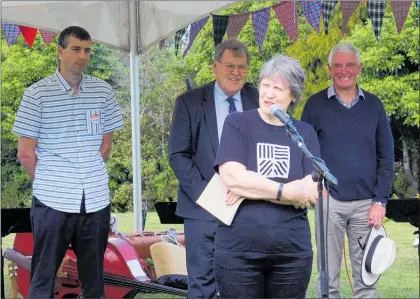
250, 184
29, 163
105, 151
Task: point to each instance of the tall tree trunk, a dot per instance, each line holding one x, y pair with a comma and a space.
413, 184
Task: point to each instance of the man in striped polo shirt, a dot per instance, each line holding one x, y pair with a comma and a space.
65, 124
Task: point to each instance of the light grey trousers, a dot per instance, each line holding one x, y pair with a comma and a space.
351, 218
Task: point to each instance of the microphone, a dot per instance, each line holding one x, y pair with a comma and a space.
276, 111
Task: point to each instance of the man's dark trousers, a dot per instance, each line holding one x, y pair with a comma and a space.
53, 231
199, 245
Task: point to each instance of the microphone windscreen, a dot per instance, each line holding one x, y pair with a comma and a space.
273, 108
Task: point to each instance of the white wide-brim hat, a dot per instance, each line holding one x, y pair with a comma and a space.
378, 256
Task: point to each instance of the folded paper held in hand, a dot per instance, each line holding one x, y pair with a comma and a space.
213, 199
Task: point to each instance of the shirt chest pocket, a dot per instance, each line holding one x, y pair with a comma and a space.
94, 122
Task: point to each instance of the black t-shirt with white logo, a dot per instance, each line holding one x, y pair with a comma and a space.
262, 228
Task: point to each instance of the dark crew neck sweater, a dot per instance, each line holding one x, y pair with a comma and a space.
356, 144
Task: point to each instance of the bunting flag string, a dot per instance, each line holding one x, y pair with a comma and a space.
400, 10
347, 9
327, 10
260, 21
286, 12
376, 12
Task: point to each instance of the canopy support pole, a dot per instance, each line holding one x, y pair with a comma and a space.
135, 118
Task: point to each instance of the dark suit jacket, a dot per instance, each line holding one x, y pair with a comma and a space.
193, 144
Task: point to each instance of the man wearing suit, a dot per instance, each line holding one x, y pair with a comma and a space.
197, 125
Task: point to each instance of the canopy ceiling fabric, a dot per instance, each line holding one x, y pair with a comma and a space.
108, 21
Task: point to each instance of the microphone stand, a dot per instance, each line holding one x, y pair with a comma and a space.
322, 174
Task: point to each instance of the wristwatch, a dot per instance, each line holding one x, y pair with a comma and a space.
380, 203
279, 191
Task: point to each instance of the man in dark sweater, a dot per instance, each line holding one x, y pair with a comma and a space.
357, 145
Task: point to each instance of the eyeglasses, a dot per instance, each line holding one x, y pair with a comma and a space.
229, 67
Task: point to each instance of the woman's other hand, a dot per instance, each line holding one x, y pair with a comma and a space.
231, 198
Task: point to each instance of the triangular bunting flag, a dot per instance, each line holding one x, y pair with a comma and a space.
347, 9
327, 10
29, 34
312, 12
219, 28
195, 28
11, 32
260, 20
400, 10
376, 12
235, 24
178, 36
185, 40
47, 36
286, 13
162, 43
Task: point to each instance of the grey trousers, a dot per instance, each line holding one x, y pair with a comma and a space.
351, 218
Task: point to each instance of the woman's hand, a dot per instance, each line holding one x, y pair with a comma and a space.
231, 198
303, 193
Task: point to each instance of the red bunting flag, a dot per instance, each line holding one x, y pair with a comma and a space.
29, 34
286, 13
235, 24
47, 36
400, 10
347, 9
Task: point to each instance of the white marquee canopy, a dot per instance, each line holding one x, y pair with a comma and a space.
129, 25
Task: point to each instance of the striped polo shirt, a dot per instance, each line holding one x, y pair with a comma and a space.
69, 132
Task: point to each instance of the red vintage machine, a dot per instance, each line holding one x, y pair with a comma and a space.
123, 272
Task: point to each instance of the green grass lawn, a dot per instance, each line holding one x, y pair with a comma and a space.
400, 281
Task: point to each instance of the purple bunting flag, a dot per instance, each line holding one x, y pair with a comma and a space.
260, 21
312, 12
11, 32
400, 10
235, 24
194, 30
286, 13
376, 12
347, 9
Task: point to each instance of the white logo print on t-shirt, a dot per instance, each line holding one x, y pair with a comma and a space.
273, 160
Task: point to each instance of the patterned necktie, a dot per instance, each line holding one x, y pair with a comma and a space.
232, 107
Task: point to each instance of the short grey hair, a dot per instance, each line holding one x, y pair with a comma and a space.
289, 71
345, 47
237, 47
